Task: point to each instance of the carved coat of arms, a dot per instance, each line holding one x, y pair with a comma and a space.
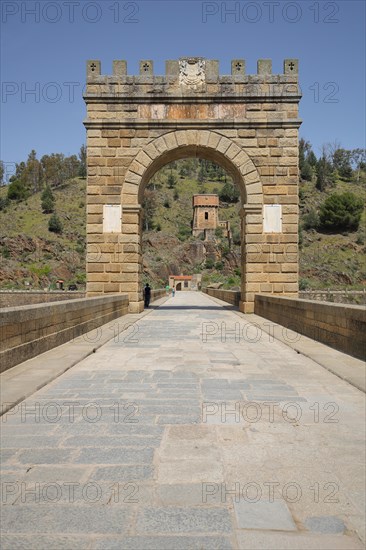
192, 72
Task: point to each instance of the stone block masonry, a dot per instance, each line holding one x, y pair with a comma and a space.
27, 331
342, 327
230, 296
248, 124
12, 298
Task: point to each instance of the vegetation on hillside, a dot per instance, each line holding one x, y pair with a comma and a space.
42, 212
332, 217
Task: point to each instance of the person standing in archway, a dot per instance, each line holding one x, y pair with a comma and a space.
147, 294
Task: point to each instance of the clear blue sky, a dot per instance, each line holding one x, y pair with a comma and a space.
327, 37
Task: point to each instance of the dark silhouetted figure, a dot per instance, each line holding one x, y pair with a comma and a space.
147, 295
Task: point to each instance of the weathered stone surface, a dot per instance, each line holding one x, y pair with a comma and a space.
273, 516
125, 138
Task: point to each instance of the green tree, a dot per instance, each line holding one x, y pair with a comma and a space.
47, 200
201, 173
2, 172
17, 191
341, 212
342, 163
324, 173
171, 181
53, 169
54, 224
19, 169
229, 193
32, 175
358, 159
71, 167
311, 158
306, 171
307, 160
148, 208
82, 158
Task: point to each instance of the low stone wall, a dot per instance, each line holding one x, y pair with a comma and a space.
13, 298
229, 296
157, 293
356, 297
27, 331
342, 327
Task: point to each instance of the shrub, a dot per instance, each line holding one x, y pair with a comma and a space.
236, 236
304, 284
229, 193
166, 203
158, 227
184, 232
47, 201
17, 191
219, 266
311, 219
5, 252
47, 205
219, 232
4, 201
341, 212
361, 235
209, 263
301, 237
172, 180
54, 224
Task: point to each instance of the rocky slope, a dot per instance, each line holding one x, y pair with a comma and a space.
30, 252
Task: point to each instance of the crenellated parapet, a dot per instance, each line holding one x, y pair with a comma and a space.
194, 77
246, 123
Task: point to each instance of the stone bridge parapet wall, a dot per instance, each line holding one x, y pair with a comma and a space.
27, 331
13, 298
342, 327
230, 296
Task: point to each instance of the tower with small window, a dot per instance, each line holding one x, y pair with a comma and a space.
205, 215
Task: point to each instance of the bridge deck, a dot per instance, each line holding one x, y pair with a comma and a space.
192, 429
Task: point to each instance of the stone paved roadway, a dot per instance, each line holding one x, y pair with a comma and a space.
193, 431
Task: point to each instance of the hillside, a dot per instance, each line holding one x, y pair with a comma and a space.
331, 260
30, 252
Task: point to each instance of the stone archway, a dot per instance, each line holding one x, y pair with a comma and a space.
247, 123
203, 144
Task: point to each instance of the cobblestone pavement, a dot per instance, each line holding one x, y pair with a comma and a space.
190, 430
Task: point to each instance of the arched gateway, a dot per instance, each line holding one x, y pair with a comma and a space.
246, 123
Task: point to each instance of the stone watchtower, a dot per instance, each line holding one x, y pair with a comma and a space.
248, 124
205, 214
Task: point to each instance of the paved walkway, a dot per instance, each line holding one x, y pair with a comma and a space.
190, 430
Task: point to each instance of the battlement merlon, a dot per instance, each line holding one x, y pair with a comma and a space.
194, 76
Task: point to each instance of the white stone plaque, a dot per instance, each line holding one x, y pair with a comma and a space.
112, 222
272, 218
